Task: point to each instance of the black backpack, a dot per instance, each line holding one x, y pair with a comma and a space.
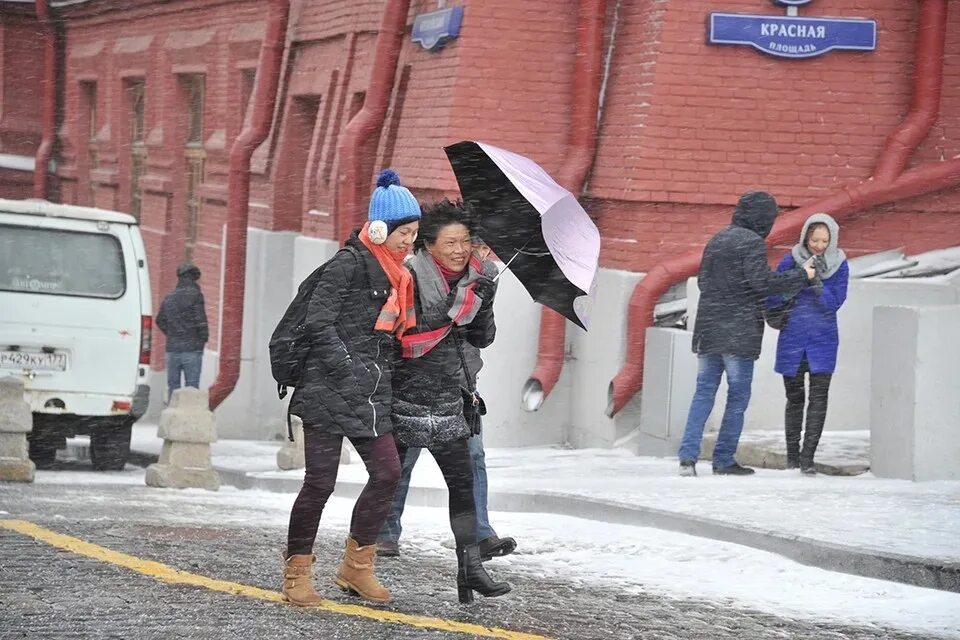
290, 343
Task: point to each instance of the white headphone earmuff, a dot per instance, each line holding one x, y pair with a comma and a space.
377, 232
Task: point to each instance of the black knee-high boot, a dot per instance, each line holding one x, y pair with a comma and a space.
471, 576
816, 416
793, 417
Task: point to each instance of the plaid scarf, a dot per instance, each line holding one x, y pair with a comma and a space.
433, 288
397, 314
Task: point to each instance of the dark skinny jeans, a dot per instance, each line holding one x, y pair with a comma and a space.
455, 464
322, 453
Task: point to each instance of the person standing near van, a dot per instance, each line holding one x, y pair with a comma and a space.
183, 320
734, 280
809, 340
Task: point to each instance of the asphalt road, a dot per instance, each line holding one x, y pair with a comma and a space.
48, 591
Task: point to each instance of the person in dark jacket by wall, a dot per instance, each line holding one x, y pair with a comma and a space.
491, 545
362, 305
438, 368
734, 281
809, 341
183, 320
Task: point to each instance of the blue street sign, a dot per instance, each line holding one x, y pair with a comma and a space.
437, 27
792, 37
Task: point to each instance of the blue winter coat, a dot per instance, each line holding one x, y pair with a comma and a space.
812, 324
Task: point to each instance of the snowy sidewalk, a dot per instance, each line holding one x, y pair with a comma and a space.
890, 529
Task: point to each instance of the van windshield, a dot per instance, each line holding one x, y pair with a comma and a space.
58, 262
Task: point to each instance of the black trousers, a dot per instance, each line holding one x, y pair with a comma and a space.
816, 412
455, 464
322, 453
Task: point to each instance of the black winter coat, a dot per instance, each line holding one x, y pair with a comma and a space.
183, 319
346, 387
427, 397
735, 278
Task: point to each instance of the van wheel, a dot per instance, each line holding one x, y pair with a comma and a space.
110, 444
42, 448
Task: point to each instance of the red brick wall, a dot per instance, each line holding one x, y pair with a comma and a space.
711, 122
157, 42
21, 62
685, 127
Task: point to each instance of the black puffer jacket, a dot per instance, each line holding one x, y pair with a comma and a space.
182, 316
735, 278
346, 388
427, 398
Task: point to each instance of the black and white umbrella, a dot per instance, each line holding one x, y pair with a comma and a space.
547, 239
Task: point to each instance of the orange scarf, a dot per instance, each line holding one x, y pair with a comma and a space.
397, 314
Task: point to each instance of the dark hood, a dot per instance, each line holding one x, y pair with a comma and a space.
188, 271
756, 211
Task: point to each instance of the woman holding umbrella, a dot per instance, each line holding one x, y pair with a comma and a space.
434, 381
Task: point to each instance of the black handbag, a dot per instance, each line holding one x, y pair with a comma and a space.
473, 405
777, 317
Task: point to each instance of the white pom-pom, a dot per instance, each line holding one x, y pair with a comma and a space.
378, 232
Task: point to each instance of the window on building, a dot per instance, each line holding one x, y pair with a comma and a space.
136, 99
248, 78
194, 156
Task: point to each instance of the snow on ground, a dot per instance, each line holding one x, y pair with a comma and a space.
586, 553
892, 516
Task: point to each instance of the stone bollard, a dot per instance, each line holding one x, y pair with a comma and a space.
187, 429
16, 422
290, 456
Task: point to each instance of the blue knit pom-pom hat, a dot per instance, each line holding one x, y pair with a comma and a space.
392, 202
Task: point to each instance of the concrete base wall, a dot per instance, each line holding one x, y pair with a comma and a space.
915, 400
849, 407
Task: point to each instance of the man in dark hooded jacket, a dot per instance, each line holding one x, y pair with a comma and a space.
183, 320
734, 279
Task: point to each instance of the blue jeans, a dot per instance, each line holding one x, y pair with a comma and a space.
187, 362
739, 381
392, 528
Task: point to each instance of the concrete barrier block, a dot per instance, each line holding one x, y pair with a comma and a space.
16, 422
15, 416
915, 393
290, 456
187, 429
169, 477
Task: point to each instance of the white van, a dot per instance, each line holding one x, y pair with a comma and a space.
75, 324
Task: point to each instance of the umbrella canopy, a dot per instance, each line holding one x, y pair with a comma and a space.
537, 226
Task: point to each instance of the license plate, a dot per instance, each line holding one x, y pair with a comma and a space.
20, 360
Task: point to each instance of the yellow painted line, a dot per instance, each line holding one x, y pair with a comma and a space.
170, 575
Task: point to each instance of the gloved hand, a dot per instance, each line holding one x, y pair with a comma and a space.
486, 288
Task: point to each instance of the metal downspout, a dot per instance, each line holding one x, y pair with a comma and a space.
370, 117
49, 124
238, 198
572, 175
886, 185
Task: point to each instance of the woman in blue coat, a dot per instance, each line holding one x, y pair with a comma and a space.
809, 341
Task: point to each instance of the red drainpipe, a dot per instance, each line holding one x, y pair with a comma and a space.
370, 118
888, 184
581, 148
45, 149
238, 198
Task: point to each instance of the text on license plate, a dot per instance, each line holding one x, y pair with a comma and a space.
33, 361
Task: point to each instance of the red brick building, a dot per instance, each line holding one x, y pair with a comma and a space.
153, 94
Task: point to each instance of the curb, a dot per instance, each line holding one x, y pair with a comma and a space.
913, 570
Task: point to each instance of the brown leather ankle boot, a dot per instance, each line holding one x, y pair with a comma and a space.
298, 581
356, 573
